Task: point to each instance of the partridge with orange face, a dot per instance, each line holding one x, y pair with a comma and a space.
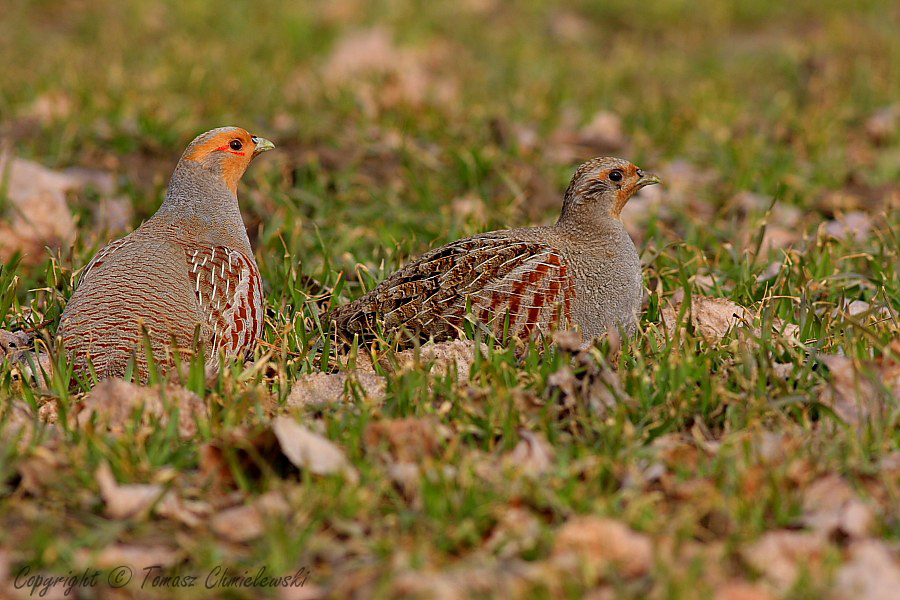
189, 266
582, 271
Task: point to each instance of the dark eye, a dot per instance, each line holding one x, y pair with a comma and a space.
616, 175
236, 145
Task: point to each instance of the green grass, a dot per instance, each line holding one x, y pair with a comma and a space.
763, 97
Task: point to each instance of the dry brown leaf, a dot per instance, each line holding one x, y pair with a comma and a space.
37, 213
113, 215
309, 591
682, 190
443, 357
402, 75
134, 556
712, 318
775, 237
597, 386
782, 555
854, 224
114, 402
883, 123
407, 440
191, 513
311, 451
43, 465
407, 476
856, 396
507, 580
126, 501
599, 544
831, 506
247, 522
603, 134
742, 590
470, 208
327, 388
48, 107
518, 530
871, 573
13, 344
533, 455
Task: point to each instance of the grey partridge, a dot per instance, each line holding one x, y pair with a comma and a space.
190, 265
582, 271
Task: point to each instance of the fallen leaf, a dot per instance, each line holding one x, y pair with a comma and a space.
365, 58
883, 123
13, 344
517, 530
407, 440
782, 555
328, 388
113, 402
131, 555
712, 318
126, 501
533, 455
407, 476
570, 26
247, 522
113, 215
856, 395
311, 451
742, 590
603, 134
596, 386
854, 224
49, 107
444, 358
309, 591
831, 506
43, 465
599, 544
506, 580
871, 573
37, 214
191, 513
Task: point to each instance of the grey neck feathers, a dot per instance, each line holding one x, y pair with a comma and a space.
587, 217
200, 205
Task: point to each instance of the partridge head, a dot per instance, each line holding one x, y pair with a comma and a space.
600, 188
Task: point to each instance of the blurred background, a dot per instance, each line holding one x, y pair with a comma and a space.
758, 462
401, 125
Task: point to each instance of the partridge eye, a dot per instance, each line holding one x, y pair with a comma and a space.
616, 175
236, 145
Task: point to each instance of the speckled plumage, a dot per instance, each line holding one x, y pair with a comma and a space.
582, 271
189, 267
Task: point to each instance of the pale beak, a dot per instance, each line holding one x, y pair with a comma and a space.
646, 180
262, 145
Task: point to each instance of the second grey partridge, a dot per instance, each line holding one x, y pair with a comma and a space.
189, 266
582, 271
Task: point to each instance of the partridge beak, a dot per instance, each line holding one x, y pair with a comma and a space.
646, 180
262, 145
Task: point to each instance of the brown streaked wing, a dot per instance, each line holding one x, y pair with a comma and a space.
229, 291
495, 274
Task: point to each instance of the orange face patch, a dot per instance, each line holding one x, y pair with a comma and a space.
627, 188
233, 147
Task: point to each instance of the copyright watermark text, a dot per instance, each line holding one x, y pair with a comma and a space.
154, 577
